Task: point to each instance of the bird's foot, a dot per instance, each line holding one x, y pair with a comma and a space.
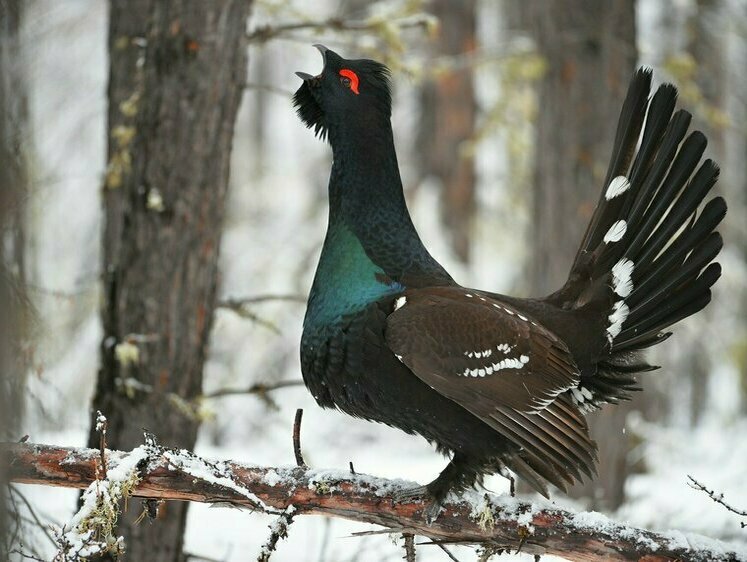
432, 508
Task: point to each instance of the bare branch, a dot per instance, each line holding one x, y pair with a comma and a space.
409, 547
498, 521
297, 438
15, 492
280, 92
264, 33
278, 531
718, 498
448, 552
259, 388
235, 303
241, 307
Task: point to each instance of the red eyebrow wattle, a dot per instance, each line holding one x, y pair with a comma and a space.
353, 79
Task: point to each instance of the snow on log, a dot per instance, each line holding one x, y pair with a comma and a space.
537, 527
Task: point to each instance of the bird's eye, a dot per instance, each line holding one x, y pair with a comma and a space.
349, 79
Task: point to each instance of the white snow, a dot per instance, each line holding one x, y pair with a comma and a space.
218, 473
77, 536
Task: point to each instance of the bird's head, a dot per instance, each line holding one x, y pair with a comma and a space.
346, 93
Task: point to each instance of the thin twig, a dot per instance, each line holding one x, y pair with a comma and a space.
280, 92
448, 552
385, 531
259, 388
234, 303
13, 537
101, 424
14, 491
297, 438
278, 530
718, 498
241, 307
26, 555
264, 33
409, 547
247, 314
325, 539
198, 557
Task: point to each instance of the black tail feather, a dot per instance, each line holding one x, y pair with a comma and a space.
673, 136
681, 211
626, 137
684, 165
647, 256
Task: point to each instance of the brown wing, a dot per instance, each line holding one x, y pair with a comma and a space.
500, 365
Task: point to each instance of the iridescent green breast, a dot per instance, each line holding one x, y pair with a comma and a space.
346, 280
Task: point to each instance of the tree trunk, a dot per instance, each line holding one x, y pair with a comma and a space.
447, 121
177, 75
589, 47
13, 187
706, 46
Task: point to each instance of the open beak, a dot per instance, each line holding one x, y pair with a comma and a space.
304, 75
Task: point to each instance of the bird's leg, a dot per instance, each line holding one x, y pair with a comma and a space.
458, 475
511, 480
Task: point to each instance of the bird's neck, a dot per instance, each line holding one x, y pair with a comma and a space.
365, 185
366, 198
372, 248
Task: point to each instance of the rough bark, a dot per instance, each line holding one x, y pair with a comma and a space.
177, 72
497, 521
13, 187
13, 192
447, 120
590, 51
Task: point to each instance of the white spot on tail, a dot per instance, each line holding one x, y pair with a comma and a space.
622, 281
617, 186
616, 231
619, 313
400, 302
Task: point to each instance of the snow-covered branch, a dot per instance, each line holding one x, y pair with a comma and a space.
500, 521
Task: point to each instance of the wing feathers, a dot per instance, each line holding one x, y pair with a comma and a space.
447, 338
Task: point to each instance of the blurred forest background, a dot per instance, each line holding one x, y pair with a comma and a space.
504, 115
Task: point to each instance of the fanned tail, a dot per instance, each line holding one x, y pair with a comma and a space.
645, 262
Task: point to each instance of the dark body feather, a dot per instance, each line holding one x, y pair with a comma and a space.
495, 381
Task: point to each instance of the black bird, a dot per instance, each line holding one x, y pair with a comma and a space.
499, 382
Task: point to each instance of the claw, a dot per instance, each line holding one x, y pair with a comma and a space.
432, 511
